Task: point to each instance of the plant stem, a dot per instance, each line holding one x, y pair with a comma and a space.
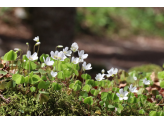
38, 49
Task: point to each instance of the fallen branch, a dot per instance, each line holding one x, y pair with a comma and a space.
6, 100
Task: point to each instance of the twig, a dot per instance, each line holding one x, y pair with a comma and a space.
42, 112
6, 100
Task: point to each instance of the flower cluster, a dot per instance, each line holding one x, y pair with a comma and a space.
61, 56
123, 94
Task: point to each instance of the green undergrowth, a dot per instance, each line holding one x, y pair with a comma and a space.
146, 68
58, 85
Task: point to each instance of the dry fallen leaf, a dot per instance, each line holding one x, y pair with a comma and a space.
98, 112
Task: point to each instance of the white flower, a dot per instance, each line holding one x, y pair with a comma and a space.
102, 71
17, 49
75, 60
99, 77
36, 39
112, 71
53, 74
115, 71
48, 62
133, 89
54, 55
37, 43
60, 46
86, 67
135, 78
61, 56
24, 60
32, 57
122, 95
82, 56
74, 47
67, 52
146, 82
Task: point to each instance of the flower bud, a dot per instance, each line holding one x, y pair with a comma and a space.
60, 46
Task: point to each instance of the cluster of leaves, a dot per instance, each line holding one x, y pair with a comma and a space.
121, 21
27, 87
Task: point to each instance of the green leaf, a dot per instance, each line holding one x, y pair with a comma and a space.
60, 75
115, 89
44, 78
88, 100
32, 89
84, 94
132, 99
162, 84
105, 96
10, 56
6, 85
32, 65
25, 57
161, 75
76, 87
86, 76
43, 85
115, 98
101, 103
90, 82
86, 88
67, 73
43, 55
3, 72
161, 113
71, 85
26, 79
78, 82
141, 111
34, 79
95, 92
42, 71
126, 88
152, 113
19, 79
140, 91
43, 65
111, 106
102, 84
76, 72
56, 86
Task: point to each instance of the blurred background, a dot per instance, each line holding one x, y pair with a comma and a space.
112, 36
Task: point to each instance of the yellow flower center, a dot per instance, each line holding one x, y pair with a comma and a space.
121, 95
30, 58
59, 58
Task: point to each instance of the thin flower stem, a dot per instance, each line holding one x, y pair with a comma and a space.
38, 49
27, 47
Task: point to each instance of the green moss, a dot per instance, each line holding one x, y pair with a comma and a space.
146, 68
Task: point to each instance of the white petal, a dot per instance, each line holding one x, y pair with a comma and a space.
118, 94
53, 73
50, 63
120, 98
121, 91
28, 54
44, 59
34, 55
125, 98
